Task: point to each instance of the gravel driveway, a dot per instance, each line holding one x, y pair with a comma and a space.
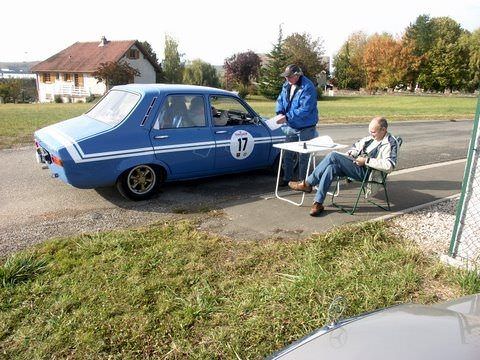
431, 228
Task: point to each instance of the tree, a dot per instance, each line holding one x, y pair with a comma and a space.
435, 42
307, 53
270, 81
241, 69
159, 76
17, 90
383, 64
449, 68
4, 92
200, 73
172, 63
349, 64
473, 41
419, 38
420, 34
115, 73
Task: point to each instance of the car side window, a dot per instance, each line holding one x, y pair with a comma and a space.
228, 111
196, 111
181, 111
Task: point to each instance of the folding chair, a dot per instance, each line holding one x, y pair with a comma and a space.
363, 188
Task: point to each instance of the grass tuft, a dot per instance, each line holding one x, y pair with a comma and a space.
21, 268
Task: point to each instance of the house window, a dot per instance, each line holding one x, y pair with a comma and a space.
133, 54
46, 77
67, 77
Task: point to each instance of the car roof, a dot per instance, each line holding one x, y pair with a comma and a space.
171, 88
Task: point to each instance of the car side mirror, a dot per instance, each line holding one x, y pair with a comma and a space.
257, 120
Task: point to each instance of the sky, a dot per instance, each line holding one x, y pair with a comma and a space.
211, 30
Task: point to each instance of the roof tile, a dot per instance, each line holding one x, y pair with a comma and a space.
84, 56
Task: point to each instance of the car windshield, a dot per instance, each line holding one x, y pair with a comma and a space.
114, 107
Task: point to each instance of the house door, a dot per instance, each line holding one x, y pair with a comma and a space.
78, 79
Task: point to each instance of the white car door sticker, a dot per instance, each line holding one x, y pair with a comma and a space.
241, 144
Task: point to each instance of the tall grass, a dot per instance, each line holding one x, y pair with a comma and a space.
20, 268
170, 291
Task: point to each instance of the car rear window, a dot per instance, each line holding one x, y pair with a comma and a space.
114, 107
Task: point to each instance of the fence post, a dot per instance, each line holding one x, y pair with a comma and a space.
467, 210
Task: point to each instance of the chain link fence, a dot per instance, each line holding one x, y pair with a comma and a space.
465, 243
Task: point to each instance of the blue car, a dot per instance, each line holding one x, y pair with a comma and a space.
139, 136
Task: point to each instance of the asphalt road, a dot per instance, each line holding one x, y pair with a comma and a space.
29, 193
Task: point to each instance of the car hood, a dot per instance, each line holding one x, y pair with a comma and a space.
446, 331
70, 131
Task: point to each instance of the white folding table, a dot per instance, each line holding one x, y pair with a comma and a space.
301, 147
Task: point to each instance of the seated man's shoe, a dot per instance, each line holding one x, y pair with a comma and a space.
283, 183
316, 209
300, 186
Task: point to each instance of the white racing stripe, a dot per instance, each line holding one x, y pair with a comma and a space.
78, 156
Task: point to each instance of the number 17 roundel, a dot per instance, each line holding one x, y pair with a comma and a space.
241, 144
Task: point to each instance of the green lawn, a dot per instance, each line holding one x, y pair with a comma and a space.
19, 121
172, 292
397, 108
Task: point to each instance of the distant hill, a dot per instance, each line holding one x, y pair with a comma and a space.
22, 66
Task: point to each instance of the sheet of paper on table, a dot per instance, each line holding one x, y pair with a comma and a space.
272, 122
322, 141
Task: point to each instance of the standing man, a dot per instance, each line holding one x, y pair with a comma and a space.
297, 103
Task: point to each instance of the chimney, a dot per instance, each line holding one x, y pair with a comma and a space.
103, 41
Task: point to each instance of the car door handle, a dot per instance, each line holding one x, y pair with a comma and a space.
158, 137
221, 132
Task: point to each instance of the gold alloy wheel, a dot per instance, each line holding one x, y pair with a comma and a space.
141, 179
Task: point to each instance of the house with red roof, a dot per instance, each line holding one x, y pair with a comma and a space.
69, 73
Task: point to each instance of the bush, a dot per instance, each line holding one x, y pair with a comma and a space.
17, 90
58, 99
91, 98
319, 92
243, 91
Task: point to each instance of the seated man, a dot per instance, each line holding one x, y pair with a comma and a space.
377, 151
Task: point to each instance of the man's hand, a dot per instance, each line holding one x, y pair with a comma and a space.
281, 120
360, 161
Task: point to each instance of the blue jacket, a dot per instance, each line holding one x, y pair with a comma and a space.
302, 111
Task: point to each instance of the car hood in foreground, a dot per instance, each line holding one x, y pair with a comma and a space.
445, 331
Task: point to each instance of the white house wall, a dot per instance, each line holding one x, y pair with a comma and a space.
96, 88
147, 71
67, 89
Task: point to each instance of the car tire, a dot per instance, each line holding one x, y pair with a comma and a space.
140, 182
